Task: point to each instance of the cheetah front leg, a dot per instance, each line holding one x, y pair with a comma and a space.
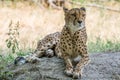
84, 60
69, 67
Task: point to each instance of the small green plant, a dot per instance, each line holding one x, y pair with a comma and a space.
5, 74
13, 37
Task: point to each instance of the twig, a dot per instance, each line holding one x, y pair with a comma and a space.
96, 6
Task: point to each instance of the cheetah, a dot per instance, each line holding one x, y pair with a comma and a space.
68, 44
45, 47
73, 41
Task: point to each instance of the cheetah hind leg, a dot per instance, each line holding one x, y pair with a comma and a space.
44, 53
30, 58
49, 53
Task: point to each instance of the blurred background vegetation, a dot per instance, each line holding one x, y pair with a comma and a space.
38, 18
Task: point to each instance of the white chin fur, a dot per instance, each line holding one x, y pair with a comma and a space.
74, 28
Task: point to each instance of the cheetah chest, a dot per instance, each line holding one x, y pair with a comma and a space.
70, 44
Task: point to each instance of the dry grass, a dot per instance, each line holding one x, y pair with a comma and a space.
36, 22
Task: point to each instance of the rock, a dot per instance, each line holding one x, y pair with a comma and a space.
104, 66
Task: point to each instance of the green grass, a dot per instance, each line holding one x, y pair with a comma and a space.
103, 46
8, 59
4, 60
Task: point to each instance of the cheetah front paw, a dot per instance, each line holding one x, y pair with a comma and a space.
49, 53
77, 75
69, 72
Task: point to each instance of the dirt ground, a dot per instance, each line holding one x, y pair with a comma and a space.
103, 66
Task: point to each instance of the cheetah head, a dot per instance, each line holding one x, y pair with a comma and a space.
75, 18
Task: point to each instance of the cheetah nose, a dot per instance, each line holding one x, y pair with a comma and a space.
79, 22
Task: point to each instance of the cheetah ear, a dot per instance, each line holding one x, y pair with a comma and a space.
65, 9
82, 8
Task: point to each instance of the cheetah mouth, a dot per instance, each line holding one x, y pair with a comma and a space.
81, 25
